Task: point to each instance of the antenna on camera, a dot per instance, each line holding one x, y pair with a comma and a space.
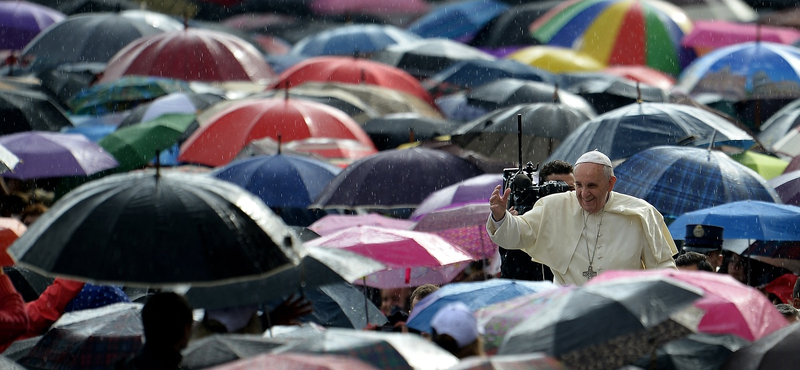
519, 138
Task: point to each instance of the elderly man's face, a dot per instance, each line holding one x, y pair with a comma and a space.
592, 186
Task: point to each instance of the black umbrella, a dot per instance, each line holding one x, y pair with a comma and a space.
779, 125
28, 283
391, 131
341, 305
512, 28
694, 352
28, 111
427, 57
65, 81
508, 92
776, 351
95, 6
218, 349
150, 229
606, 92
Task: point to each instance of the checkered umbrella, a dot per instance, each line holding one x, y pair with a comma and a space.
677, 180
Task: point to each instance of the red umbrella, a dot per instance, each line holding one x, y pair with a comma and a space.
352, 70
190, 54
223, 136
10, 230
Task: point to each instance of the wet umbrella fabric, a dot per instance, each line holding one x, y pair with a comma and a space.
65, 81
8, 160
774, 352
532, 361
333, 223
134, 146
788, 187
391, 131
220, 349
427, 57
28, 111
458, 20
556, 59
352, 39
694, 352
510, 92
413, 173
134, 226
123, 94
341, 305
28, 283
464, 226
289, 361
9, 364
21, 21
52, 154
677, 180
175, 103
469, 74
471, 190
767, 166
745, 219
607, 93
72, 7
780, 124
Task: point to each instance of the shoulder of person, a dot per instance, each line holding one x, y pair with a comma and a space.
628, 201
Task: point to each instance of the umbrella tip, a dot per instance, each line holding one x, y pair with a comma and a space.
158, 163
279, 143
556, 99
638, 93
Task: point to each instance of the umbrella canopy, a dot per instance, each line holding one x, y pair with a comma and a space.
191, 54
350, 70
606, 92
391, 131
280, 180
472, 190
53, 154
219, 349
341, 305
729, 306
475, 295
352, 39
637, 317
123, 94
93, 338
297, 362
427, 57
677, 180
643, 74
412, 174
765, 165
711, 35
508, 92
464, 226
339, 152
84, 38
95, 6
409, 255
469, 74
333, 223
28, 111
21, 21
780, 124
774, 351
556, 59
628, 32
134, 227
532, 361
626, 131
29, 284
8, 161
746, 219
65, 81
731, 10
695, 351
367, 7
788, 187
174, 103
790, 144
226, 132
348, 103
459, 20
134, 146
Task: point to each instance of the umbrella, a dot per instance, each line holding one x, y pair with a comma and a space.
21, 21
348, 103
617, 321
53, 154
123, 94
775, 351
29, 284
427, 57
789, 144
91, 6
711, 35
297, 362
341, 305
84, 38
464, 226
93, 338
532, 361
350, 70
340, 152
643, 74
333, 223
508, 92
628, 32
281, 180
9, 364
744, 219
411, 174
458, 20
352, 39
729, 307
175, 103
219, 349
471, 190
765, 165
8, 161
191, 54
556, 59
509, 31
626, 131
544, 126
469, 74
66, 80
226, 132
694, 352
134, 146
413, 258
388, 8
475, 295
677, 180
30, 110
788, 187
388, 351
731, 10
392, 130
780, 124
134, 227
152, 16
607, 92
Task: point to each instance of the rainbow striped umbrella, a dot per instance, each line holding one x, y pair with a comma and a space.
626, 32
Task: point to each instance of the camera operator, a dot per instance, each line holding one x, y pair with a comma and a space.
518, 264
581, 234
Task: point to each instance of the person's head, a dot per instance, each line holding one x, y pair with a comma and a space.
789, 312
735, 266
455, 329
705, 239
422, 291
167, 321
32, 212
558, 170
594, 180
394, 297
693, 261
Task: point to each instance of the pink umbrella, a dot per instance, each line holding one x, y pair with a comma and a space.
730, 306
332, 223
297, 361
380, 8
414, 258
710, 35
473, 190
464, 226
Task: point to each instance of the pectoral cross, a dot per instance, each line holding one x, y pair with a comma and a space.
589, 273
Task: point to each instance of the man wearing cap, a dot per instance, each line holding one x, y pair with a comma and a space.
582, 233
707, 240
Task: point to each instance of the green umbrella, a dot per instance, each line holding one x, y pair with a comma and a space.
134, 146
767, 166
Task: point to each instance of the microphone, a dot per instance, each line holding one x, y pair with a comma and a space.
521, 181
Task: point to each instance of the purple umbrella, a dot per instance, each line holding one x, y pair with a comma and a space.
21, 21
788, 187
473, 190
53, 154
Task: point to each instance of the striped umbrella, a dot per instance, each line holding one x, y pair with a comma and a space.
627, 32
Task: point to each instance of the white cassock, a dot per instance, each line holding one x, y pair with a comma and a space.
629, 234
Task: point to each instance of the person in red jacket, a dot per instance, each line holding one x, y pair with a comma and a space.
13, 318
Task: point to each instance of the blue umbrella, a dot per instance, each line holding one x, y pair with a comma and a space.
626, 131
747, 219
475, 295
92, 131
280, 180
352, 39
459, 20
677, 180
469, 74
